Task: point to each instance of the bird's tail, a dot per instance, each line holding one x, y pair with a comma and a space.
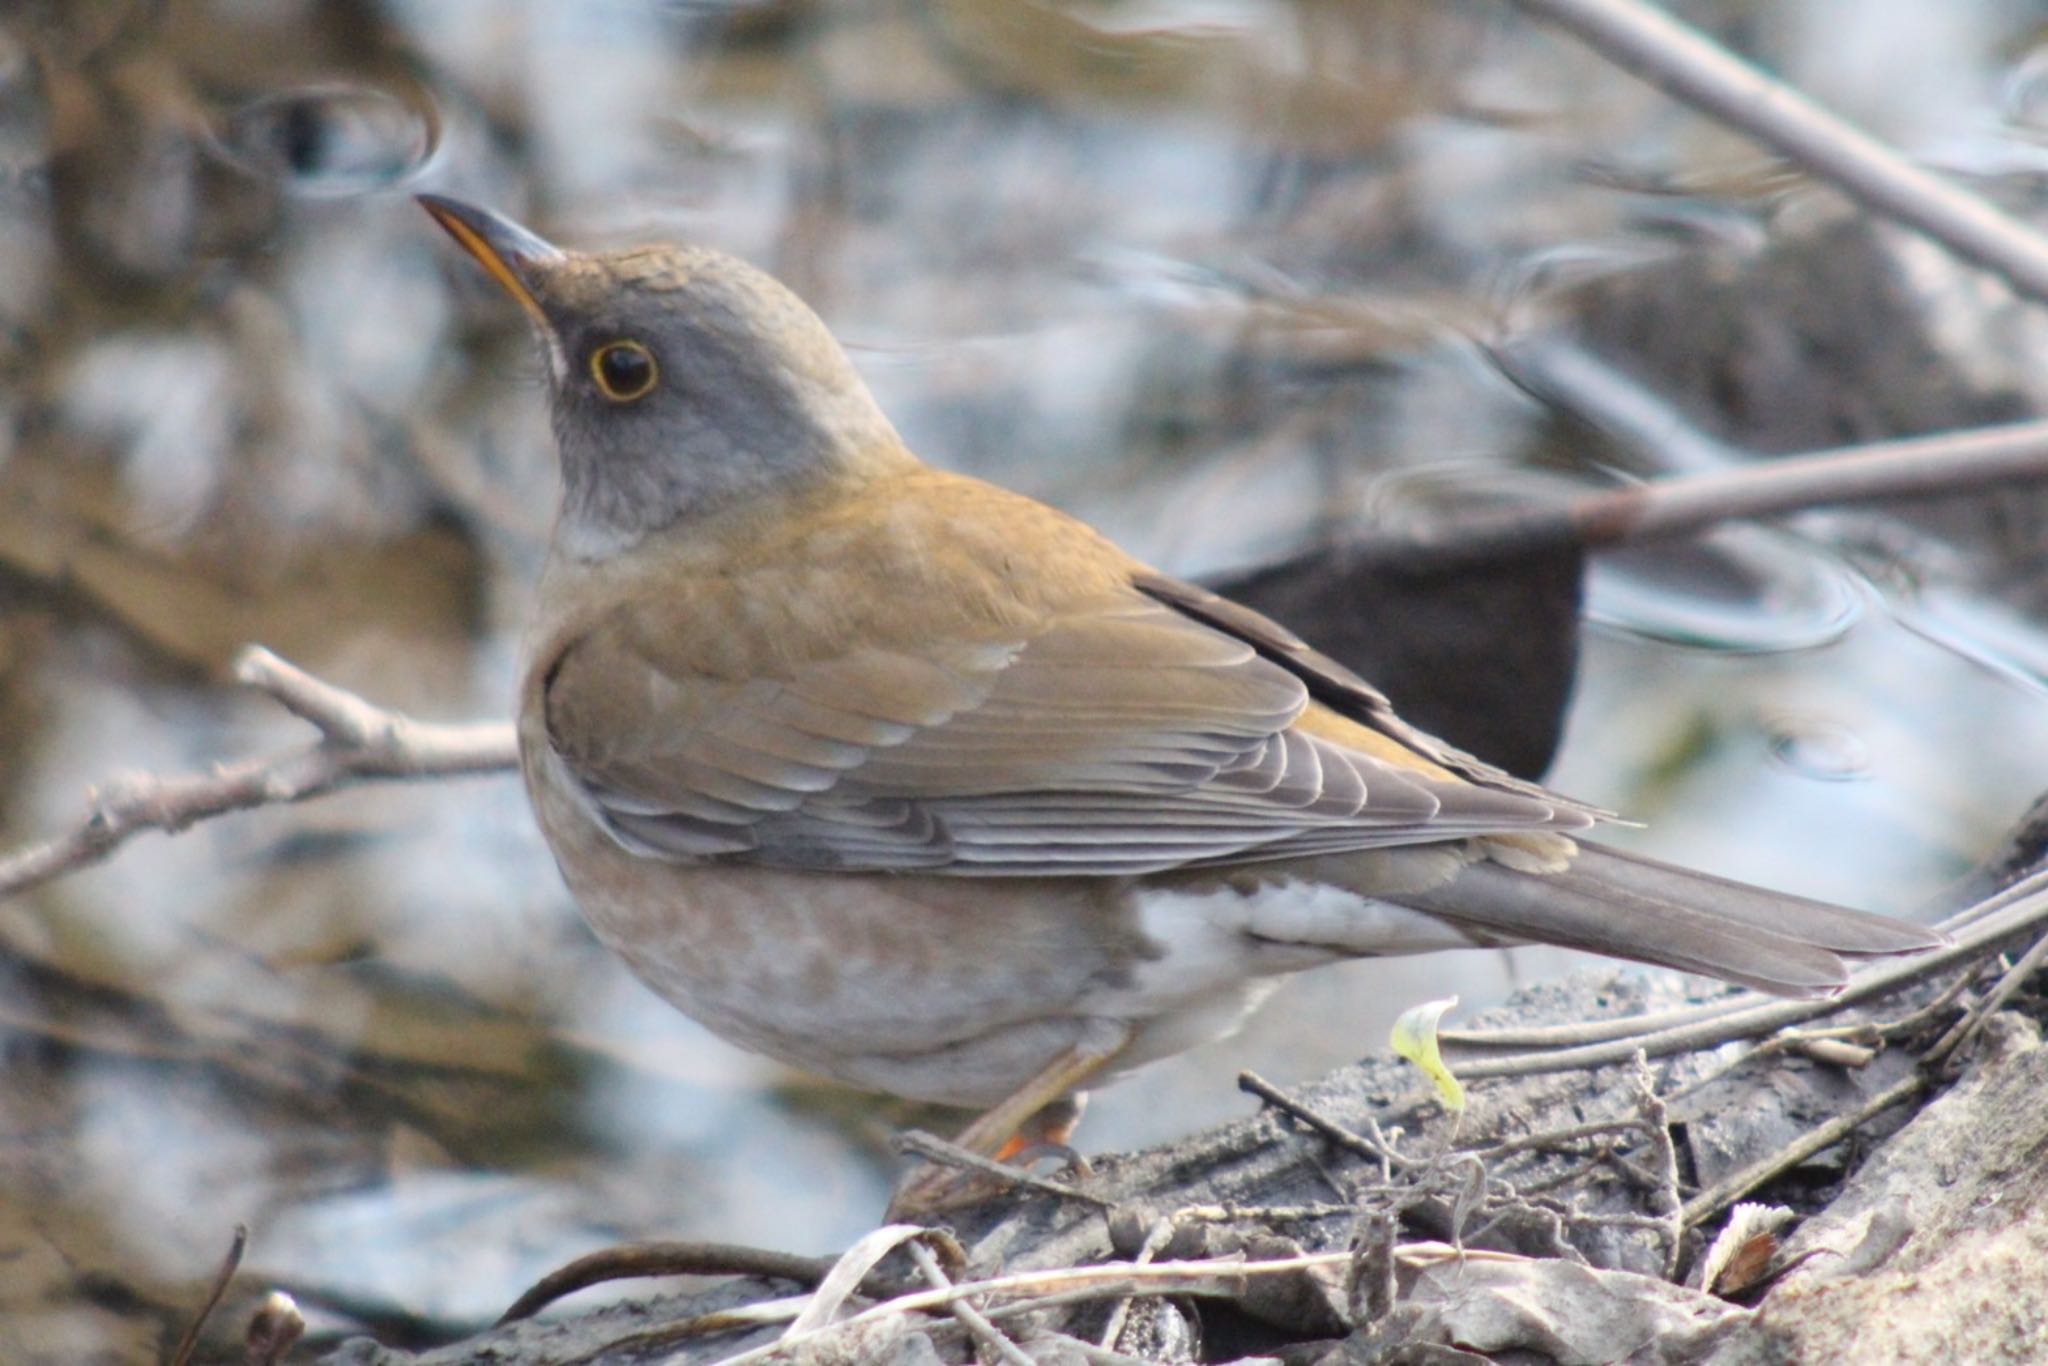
1633, 907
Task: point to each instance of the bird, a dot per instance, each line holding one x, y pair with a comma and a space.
923, 785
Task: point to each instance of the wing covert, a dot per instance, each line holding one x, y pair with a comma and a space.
1121, 736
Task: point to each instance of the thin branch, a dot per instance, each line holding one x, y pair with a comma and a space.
1285, 1215
1994, 1000
1907, 467
1637, 1223
358, 743
2021, 907
1916, 467
1156, 1239
851, 1270
1594, 1031
1554, 1140
1735, 1185
188, 1341
739, 1318
1829, 1046
1685, 64
932, 1148
990, 1337
636, 1260
1221, 1277
1919, 1020
1656, 1125
1322, 1125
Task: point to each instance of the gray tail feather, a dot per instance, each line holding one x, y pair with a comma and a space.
1632, 907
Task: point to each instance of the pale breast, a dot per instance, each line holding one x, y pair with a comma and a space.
945, 989
953, 989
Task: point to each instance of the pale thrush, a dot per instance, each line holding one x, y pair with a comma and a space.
923, 785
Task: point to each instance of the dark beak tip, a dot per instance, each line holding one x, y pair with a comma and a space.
441, 208
513, 244
509, 253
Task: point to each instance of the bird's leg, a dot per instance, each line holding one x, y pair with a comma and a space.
1043, 1111
1046, 1132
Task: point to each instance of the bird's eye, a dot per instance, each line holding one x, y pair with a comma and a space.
624, 370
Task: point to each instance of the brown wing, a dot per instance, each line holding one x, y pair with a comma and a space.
1339, 688
1105, 723
1126, 738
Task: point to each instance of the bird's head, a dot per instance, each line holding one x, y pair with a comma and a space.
681, 380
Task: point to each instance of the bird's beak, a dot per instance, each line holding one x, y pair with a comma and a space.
513, 256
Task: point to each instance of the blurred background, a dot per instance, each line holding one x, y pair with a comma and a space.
1229, 278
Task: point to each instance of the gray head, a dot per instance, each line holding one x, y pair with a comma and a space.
681, 379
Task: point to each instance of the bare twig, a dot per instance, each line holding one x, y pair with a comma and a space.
1918, 1020
1567, 1176
358, 743
737, 1319
634, 1260
1640, 1223
1156, 1239
1812, 1043
1684, 63
1288, 1215
969, 1318
852, 1268
1880, 1032
1820, 1046
1955, 462
1656, 1124
1220, 1277
1581, 1032
1914, 467
1994, 1000
1735, 1185
1554, 1140
1371, 1286
1323, 1126
932, 1148
188, 1342
2019, 908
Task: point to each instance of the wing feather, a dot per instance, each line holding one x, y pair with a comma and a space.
1127, 734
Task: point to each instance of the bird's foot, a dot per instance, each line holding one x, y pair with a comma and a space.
954, 1178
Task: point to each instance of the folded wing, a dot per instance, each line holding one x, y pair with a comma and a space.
1129, 733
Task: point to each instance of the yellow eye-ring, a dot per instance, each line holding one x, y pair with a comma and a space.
624, 370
